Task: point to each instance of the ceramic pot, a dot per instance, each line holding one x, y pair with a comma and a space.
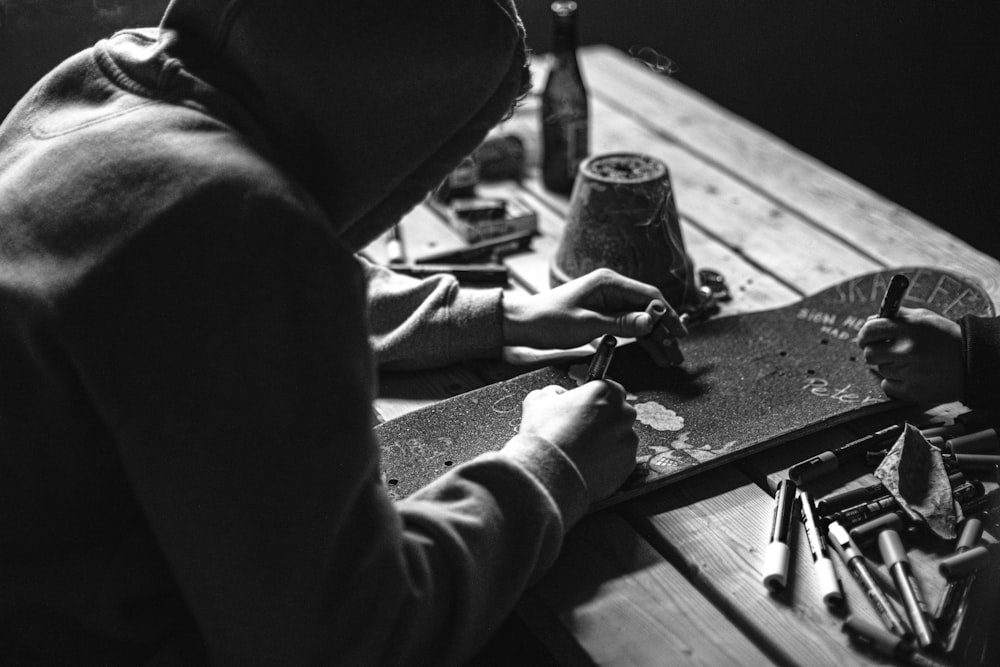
622, 216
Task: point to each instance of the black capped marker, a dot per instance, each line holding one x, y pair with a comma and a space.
826, 575
776, 553
827, 462
893, 296
602, 358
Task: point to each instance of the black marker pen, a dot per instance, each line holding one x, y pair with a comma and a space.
838, 500
894, 294
602, 358
829, 584
777, 552
659, 343
827, 462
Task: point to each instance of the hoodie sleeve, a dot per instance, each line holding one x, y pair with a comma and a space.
237, 387
981, 348
424, 323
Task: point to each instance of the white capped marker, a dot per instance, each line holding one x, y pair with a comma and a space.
776, 553
826, 575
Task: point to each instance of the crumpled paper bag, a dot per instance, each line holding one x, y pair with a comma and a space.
914, 473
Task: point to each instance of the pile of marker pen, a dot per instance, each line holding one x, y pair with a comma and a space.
870, 516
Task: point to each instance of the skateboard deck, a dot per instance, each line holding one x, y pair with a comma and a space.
749, 381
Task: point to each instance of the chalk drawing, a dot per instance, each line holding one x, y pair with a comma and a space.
506, 403
846, 394
658, 417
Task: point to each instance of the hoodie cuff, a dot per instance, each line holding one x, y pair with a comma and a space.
476, 316
981, 347
556, 473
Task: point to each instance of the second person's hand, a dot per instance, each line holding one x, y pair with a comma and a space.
592, 424
577, 312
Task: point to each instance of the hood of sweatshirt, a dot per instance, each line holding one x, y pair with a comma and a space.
367, 104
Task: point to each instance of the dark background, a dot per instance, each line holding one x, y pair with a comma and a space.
896, 94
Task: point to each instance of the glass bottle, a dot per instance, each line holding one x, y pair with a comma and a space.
565, 116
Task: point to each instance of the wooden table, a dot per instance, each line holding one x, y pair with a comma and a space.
673, 577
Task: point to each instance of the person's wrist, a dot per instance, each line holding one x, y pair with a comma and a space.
515, 318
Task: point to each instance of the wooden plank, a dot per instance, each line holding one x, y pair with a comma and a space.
752, 288
760, 229
715, 527
612, 596
876, 227
753, 226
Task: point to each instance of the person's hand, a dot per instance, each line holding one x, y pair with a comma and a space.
592, 424
918, 355
577, 312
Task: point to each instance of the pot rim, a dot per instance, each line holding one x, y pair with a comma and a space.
658, 164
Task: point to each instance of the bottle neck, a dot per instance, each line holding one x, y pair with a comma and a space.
564, 35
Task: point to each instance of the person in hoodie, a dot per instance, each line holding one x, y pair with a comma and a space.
188, 346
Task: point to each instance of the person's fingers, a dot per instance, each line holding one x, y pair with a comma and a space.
879, 352
618, 292
663, 314
634, 324
889, 372
544, 391
605, 389
619, 389
878, 329
894, 389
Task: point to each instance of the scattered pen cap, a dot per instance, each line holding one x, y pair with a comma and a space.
958, 565
841, 537
980, 442
866, 533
